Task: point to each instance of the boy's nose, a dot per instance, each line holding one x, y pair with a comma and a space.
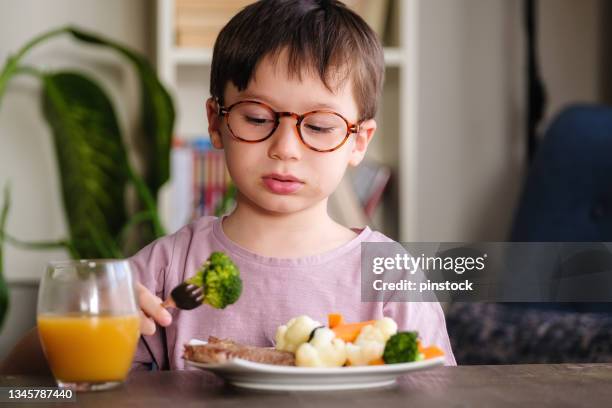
286, 143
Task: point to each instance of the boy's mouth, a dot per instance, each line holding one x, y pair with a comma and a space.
282, 183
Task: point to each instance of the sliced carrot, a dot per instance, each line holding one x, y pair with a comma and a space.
431, 352
349, 331
377, 361
334, 319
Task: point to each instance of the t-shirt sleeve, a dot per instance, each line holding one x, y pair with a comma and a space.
425, 317
149, 266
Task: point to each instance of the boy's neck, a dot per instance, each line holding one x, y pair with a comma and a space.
307, 232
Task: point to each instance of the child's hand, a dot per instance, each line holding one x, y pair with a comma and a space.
151, 310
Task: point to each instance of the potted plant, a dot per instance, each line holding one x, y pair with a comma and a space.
95, 172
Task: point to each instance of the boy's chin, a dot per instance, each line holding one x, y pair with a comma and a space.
282, 208
284, 205
277, 204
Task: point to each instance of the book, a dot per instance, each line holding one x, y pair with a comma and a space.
208, 4
198, 39
180, 186
200, 183
374, 12
198, 22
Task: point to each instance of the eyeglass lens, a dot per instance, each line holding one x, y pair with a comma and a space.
320, 130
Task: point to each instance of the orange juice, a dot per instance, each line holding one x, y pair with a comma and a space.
89, 348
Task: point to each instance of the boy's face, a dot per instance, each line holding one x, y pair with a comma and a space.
255, 167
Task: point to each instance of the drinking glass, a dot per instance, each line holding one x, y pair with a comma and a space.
88, 322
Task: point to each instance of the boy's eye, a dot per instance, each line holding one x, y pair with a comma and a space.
323, 123
257, 121
319, 129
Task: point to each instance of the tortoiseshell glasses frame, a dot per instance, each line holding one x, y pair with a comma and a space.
226, 111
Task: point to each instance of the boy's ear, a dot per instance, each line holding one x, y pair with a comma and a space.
362, 140
214, 123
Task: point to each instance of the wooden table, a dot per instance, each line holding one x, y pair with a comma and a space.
541, 385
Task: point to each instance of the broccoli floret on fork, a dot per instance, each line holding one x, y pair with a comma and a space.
217, 283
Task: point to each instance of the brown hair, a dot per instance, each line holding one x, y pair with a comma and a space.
321, 36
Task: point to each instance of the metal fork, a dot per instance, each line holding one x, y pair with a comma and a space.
185, 296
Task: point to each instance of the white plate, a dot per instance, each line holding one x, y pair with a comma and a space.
247, 374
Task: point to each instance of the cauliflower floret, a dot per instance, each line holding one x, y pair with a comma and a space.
324, 350
370, 343
297, 331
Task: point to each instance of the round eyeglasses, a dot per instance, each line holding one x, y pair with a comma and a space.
319, 130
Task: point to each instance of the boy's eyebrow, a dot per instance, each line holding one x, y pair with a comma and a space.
265, 99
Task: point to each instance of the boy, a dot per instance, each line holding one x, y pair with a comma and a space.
295, 86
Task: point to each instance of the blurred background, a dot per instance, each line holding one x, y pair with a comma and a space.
449, 162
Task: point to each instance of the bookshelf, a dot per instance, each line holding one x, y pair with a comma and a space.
186, 72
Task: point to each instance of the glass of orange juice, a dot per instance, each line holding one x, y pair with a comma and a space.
88, 322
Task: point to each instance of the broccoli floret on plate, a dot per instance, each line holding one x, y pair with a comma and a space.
401, 348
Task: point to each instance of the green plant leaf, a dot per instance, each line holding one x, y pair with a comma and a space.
11, 67
92, 161
4, 295
157, 117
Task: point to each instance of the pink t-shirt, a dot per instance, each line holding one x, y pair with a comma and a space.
274, 291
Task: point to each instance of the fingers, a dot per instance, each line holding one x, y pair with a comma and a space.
169, 303
152, 309
147, 325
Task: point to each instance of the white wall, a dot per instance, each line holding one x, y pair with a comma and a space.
470, 118
471, 105
27, 159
